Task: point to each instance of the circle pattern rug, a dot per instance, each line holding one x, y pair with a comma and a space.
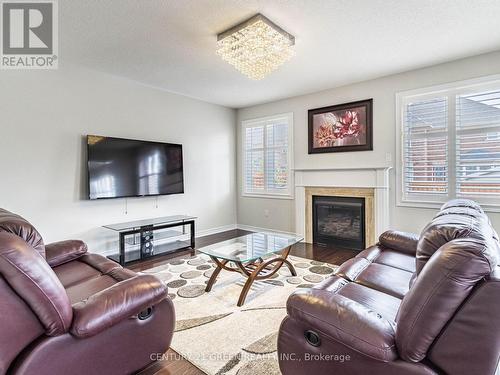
242, 339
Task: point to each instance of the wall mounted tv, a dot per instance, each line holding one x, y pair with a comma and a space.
119, 168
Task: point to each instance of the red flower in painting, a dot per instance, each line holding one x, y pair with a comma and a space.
336, 128
348, 125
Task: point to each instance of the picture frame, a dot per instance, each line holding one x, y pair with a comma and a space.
341, 127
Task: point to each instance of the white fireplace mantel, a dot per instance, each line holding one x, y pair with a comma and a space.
376, 177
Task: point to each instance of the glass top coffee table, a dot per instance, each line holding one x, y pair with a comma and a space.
257, 256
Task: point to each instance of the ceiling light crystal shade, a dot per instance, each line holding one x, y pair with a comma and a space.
255, 47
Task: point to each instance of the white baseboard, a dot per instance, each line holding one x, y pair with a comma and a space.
208, 232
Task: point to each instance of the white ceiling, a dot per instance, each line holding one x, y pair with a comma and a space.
170, 44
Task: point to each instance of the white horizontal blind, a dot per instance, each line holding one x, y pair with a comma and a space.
450, 144
425, 147
478, 144
267, 156
254, 158
277, 168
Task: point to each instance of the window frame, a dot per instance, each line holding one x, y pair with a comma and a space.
450, 91
289, 193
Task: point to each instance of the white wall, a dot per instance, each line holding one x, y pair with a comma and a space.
44, 116
252, 211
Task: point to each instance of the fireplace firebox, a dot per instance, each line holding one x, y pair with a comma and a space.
339, 221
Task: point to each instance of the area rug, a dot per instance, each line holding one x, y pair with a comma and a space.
217, 336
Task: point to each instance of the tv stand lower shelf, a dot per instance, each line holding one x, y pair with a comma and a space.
144, 239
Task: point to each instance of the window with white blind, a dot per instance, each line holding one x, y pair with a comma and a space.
267, 156
450, 144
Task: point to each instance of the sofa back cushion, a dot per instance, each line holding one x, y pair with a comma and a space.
30, 276
455, 252
15, 224
403, 242
456, 219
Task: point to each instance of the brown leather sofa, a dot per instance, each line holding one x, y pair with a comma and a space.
408, 305
65, 311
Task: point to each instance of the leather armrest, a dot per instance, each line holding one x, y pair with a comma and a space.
345, 321
403, 242
57, 253
116, 303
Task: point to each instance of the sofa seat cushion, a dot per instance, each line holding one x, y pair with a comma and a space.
90, 274
381, 277
383, 255
75, 272
380, 302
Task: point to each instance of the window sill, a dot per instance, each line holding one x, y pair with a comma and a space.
437, 205
267, 196
420, 204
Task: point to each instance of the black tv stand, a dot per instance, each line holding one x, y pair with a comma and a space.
143, 239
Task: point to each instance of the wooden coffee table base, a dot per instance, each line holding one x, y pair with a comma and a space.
254, 270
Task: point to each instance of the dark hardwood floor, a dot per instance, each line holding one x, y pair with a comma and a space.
323, 253
174, 364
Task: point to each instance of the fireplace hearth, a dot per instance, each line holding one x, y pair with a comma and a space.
339, 221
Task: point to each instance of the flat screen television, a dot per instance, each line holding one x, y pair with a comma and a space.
119, 168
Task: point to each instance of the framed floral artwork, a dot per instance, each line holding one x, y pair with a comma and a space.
342, 127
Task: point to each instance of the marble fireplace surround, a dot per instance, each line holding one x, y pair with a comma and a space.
371, 183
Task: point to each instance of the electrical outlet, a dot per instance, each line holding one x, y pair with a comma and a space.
388, 157
266, 213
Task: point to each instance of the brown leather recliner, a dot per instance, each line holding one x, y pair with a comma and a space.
65, 311
409, 305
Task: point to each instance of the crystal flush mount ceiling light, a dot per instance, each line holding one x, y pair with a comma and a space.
256, 46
